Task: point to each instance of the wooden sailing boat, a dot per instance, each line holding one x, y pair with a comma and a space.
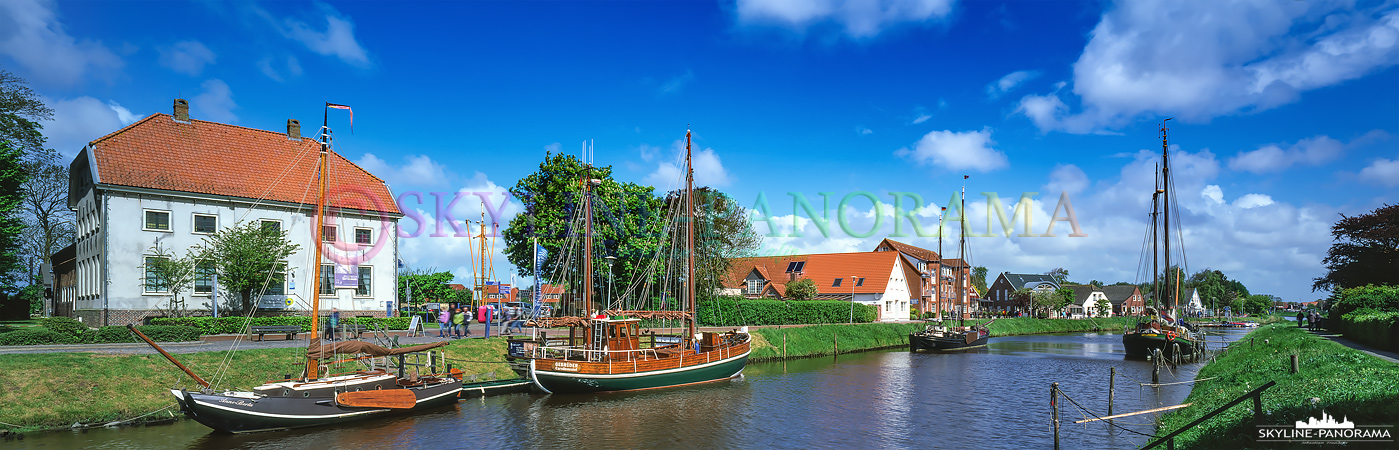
385, 386
937, 336
608, 352
1162, 329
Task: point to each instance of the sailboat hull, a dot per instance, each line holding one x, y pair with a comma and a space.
1142, 345
561, 382
950, 342
253, 413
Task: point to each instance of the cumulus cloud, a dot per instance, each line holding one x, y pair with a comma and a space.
1384, 172
954, 150
1009, 83
709, 169
187, 57
1066, 178
77, 121
1313, 151
215, 103
432, 224
336, 38
31, 34
856, 19
1215, 59
416, 170
287, 69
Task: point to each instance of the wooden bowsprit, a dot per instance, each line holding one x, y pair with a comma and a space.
392, 398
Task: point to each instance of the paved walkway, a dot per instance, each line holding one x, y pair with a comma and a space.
1381, 354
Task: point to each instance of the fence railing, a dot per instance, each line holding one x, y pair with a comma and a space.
1256, 395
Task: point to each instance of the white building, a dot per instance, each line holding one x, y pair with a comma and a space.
879, 279
172, 181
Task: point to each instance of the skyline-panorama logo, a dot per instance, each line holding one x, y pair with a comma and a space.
1325, 430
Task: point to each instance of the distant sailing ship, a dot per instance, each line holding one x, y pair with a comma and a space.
1162, 329
385, 385
608, 351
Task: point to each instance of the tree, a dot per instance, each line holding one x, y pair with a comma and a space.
1258, 304
12, 179
51, 225
1060, 275
246, 258
1048, 302
429, 285
165, 272
1366, 251
1103, 307
979, 279
803, 289
723, 232
1217, 290
21, 110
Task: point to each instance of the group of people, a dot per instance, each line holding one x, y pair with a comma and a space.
456, 322
1312, 318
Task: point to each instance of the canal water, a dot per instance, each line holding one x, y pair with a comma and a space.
996, 397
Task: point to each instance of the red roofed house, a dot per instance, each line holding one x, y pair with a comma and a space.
879, 279
929, 290
171, 180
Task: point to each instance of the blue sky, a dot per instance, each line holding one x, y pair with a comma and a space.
1286, 113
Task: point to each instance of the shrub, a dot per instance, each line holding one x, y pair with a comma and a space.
35, 336
735, 312
1382, 298
1372, 327
64, 325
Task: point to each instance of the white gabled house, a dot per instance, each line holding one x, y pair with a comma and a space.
170, 180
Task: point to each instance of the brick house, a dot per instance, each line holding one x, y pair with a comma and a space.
171, 180
935, 283
1000, 295
1126, 300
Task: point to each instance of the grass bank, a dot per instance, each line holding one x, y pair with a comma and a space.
820, 340
1344, 382
44, 391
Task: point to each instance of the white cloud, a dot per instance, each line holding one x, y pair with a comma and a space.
1010, 82
336, 39
447, 251
863, 130
1066, 178
31, 34
416, 170
78, 121
187, 57
957, 151
291, 68
1313, 151
675, 83
921, 118
709, 169
1214, 59
1384, 172
1253, 201
216, 102
857, 19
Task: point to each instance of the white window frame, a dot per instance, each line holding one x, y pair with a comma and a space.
368, 287
260, 223
194, 290
169, 220
145, 276
194, 223
356, 236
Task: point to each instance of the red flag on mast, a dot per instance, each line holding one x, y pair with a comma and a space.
347, 108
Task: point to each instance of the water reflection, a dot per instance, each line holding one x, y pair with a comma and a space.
995, 397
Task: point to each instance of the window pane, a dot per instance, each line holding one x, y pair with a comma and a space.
157, 220
327, 279
271, 225
362, 236
205, 224
364, 274
277, 284
204, 278
836, 283
328, 233
153, 283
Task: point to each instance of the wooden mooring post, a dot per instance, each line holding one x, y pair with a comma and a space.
784, 345
835, 341
1156, 366
1112, 380
1295, 367
1054, 407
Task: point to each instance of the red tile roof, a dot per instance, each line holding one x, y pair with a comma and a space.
823, 269
457, 287
214, 158
916, 252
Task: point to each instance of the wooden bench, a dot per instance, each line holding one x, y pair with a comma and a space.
290, 330
355, 328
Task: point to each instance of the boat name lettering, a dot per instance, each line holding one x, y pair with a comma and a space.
566, 366
236, 402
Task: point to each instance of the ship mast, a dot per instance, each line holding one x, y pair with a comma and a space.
318, 230
961, 254
1155, 270
690, 234
1166, 208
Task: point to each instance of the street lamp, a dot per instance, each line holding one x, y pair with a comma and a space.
610, 260
852, 299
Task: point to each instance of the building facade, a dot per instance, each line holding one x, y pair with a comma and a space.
879, 279
168, 182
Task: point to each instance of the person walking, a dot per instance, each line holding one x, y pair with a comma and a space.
458, 319
466, 321
334, 322
443, 319
1300, 319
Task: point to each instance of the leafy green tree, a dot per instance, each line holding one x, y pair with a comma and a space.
1366, 251
803, 289
627, 225
428, 286
979, 279
21, 110
1257, 304
1060, 275
1102, 308
723, 232
1381, 298
12, 179
1052, 302
1217, 290
171, 274
246, 258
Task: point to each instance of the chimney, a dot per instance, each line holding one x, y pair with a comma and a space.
181, 110
294, 129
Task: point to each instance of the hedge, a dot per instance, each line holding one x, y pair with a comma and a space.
104, 335
64, 325
1372, 327
731, 312
239, 325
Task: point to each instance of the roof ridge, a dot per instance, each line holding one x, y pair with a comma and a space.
123, 129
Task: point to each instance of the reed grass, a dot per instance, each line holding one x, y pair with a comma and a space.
1342, 381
